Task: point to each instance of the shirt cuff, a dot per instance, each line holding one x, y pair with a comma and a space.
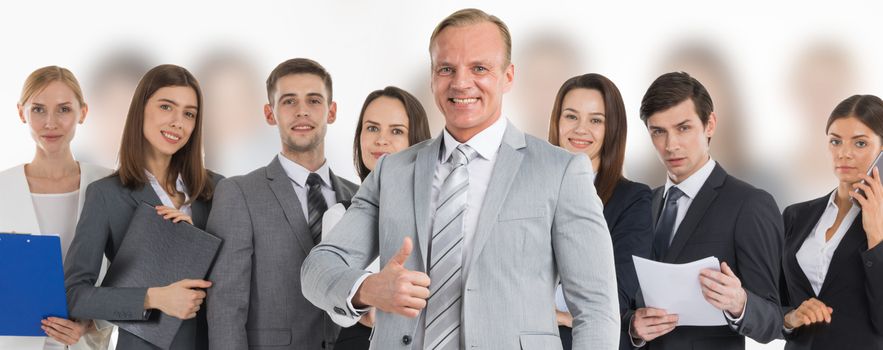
734, 321
787, 330
634, 339
356, 313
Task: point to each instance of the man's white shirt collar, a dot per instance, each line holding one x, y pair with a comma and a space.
691, 185
485, 143
299, 174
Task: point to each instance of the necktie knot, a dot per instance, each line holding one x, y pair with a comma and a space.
314, 180
462, 155
674, 193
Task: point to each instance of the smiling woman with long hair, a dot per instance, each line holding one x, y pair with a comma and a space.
160, 164
589, 117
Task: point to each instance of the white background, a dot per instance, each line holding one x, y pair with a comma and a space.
367, 45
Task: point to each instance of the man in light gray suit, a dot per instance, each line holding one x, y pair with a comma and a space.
271, 218
475, 227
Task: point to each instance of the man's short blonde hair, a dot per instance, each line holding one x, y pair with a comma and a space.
473, 16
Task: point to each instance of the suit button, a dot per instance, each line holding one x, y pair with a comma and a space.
406, 340
869, 263
339, 311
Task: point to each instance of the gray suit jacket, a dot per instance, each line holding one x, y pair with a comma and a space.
103, 224
541, 218
255, 300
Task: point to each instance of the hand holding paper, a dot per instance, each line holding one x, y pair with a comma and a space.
675, 288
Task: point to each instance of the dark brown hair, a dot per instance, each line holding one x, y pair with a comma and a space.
866, 108
673, 88
615, 129
297, 66
418, 125
187, 162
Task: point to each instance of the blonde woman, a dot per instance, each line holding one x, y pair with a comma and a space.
46, 195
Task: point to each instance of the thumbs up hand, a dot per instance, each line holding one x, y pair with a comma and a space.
395, 289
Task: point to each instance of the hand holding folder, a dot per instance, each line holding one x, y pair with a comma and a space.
31, 283
154, 253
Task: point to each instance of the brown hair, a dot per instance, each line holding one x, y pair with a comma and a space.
866, 108
673, 88
473, 16
615, 125
187, 162
41, 78
418, 125
297, 66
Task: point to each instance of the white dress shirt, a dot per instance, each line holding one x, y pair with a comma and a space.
814, 256
486, 144
298, 175
690, 186
57, 215
164, 197
329, 220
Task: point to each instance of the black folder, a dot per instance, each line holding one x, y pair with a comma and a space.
154, 253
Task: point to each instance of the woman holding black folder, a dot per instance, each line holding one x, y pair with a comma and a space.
832, 268
160, 164
46, 195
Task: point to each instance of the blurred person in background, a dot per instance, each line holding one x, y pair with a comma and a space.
110, 88
821, 75
545, 62
234, 133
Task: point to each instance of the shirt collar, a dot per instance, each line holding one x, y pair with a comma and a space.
485, 143
832, 202
299, 174
179, 184
691, 185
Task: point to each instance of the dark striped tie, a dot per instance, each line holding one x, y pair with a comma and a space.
443, 307
316, 206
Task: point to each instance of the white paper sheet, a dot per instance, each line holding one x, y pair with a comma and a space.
675, 289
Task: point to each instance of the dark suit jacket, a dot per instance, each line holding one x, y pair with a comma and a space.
628, 218
740, 225
853, 286
103, 224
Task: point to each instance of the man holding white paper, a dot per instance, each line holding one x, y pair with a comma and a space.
700, 212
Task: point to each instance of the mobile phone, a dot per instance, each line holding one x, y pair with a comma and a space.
876, 164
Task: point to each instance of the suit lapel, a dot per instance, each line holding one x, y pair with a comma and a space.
424, 174
852, 243
200, 209
282, 188
505, 168
805, 227
656, 205
147, 195
341, 193
695, 212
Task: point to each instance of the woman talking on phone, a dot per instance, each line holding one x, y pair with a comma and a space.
832, 285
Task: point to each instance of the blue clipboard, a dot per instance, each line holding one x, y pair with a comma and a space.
31, 283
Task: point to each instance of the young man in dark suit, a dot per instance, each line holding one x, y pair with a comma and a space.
702, 211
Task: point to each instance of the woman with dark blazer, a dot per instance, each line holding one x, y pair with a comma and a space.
832, 269
391, 120
589, 117
160, 164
